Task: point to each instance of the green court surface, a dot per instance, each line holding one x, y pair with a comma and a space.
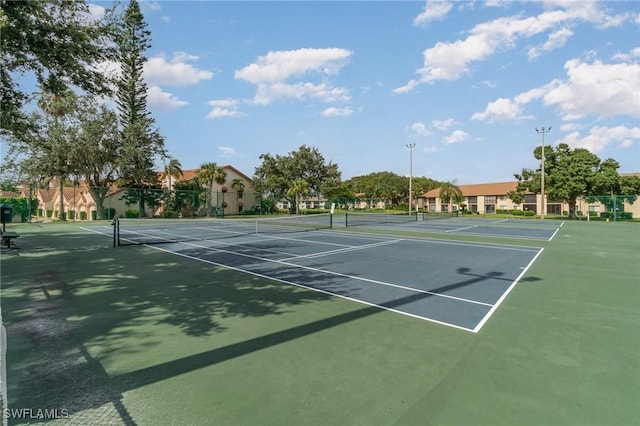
134, 335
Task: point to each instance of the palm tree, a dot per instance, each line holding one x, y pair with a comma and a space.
172, 170
298, 187
210, 173
238, 184
449, 191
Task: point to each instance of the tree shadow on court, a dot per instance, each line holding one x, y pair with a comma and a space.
71, 297
67, 291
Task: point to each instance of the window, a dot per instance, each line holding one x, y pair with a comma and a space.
530, 198
489, 199
554, 209
473, 200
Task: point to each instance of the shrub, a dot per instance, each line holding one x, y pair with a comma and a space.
110, 213
132, 213
83, 215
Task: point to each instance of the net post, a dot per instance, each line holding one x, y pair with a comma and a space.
115, 232
346, 219
330, 220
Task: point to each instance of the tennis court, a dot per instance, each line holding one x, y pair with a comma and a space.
135, 335
458, 284
450, 224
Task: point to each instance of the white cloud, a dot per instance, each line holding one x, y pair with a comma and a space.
570, 127
444, 124
556, 40
456, 137
267, 93
433, 10
430, 149
226, 151
224, 108
419, 129
281, 65
590, 89
451, 60
154, 5
96, 12
597, 89
177, 72
274, 72
337, 112
627, 57
599, 137
161, 100
501, 109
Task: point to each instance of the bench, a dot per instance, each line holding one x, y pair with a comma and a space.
7, 237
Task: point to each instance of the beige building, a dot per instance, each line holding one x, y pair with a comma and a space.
488, 198
234, 196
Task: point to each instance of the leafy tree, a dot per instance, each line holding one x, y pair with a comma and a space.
630, 185
57, 43
186, 200
57, 145
569, 174
298, 188
274, 177
76, 136
141, 142
97, 160
209, 174
449, 191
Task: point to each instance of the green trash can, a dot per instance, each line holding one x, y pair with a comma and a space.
6, 213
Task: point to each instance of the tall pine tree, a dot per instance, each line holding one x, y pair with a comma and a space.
142, 143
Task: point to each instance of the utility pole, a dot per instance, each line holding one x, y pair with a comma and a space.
542, 131
410, 146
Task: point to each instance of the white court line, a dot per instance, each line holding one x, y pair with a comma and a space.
493, 307
339, 274
342, 250
554, 234
342, 296
462, 229
505, 294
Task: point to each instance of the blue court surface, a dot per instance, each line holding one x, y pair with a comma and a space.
526, 229
453, 283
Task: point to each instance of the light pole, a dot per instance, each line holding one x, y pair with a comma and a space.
410, 146
542, 131
75, 183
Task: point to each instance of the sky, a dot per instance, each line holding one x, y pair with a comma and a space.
467, 82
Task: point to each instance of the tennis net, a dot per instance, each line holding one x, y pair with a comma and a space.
363, 219
439, 215
158, 231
